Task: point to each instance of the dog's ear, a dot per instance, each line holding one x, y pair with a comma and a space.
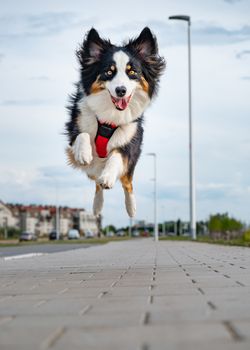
94, 44
92, 48
145, 45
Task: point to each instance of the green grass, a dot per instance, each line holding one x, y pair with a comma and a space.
103, 240
205, 239
236, 241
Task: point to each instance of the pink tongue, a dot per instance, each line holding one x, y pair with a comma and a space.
122, 103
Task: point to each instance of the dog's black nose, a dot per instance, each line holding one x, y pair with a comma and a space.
120, 91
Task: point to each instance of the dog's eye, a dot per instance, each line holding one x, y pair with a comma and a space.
109, 73
131, 72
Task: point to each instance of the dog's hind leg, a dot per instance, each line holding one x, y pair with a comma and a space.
98, 200
129, 195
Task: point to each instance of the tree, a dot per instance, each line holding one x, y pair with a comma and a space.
214, 223
223, 224
178, 227
109, 228
12, 232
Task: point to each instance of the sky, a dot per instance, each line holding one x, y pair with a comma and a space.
38, 69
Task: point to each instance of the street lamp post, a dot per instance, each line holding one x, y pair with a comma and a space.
163, 222
5, 228
130, 227
191, 156
156, 235
57, 215
57, 222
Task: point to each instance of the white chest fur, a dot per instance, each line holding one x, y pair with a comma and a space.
87, 123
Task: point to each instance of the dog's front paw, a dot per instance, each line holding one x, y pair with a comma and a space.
82, 149
107, 180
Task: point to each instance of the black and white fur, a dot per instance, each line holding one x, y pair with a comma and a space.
117, 84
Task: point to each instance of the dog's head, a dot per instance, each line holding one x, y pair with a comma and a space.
120, 81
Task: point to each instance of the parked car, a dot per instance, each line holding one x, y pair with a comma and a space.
53, 235
145, 233
120, 233
27, 236
89, 234
135, 233
171, 234
110, 234
73, 234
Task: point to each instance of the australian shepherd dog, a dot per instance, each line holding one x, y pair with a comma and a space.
105, 129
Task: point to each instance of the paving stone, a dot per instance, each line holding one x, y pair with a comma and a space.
134, 338
132, 295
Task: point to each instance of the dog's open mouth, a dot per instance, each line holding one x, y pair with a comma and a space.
121, 103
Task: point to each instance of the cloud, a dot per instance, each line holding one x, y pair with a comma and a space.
62, 176
24, 103
44, 185
27, 178
247, 77
232, 1
172, 191
242, 54
217, 191
213, 191
40, 78
209, 34
174, 32
1, 56
208, 191
16, 177
45, 24
53, 23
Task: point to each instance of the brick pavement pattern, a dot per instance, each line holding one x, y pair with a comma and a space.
133, 295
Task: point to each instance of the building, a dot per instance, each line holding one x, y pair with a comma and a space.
41, 219
8, 218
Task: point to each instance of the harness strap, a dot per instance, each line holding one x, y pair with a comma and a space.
103, 135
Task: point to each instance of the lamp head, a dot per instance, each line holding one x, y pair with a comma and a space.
182, 18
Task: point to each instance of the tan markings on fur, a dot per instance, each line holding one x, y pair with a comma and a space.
144, 84
127, 183
97, 188
112, 67
125, 164
97, 86
128, 67
71, 158
114, 151
91, 177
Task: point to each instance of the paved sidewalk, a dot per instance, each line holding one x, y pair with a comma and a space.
133, 295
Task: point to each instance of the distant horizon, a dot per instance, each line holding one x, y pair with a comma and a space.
108, 224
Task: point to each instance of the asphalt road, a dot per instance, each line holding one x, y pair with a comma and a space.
40, 248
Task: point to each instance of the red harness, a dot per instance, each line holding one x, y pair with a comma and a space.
103, 135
